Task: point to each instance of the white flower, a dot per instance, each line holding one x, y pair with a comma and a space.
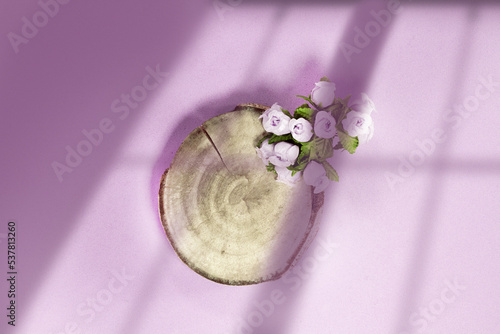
301, 129
323, 94
265, 151
285, 176
360, 125
285, 154
362, 103
324, 125
315, 175
275, 121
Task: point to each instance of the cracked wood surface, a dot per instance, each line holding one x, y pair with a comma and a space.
223, 212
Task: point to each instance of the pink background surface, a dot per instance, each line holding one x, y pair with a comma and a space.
393, 251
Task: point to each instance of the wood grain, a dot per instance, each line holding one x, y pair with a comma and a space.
223, 212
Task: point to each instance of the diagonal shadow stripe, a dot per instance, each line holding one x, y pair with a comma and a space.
48, 223
349, 77
424, 237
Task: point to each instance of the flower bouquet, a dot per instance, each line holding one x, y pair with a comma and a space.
293, 146
221, 208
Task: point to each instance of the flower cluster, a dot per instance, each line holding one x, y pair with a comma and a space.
300, 144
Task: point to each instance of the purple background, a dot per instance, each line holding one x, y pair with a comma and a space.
394, 251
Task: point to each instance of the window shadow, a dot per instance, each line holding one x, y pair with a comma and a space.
61, 82
430, 207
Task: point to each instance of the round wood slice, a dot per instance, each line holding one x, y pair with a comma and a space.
225, 215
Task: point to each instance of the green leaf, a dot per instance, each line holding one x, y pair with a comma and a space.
271, 168
298, 167
305, 152
324, 79
303, 158
275, 138
346, 100
338, 146
321, 149
308, 99
286, 112
345, 109
305, 105
336, 110
331, 173
317, 149
348, 142
334, 107
304, 113
339, 109
259, 144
